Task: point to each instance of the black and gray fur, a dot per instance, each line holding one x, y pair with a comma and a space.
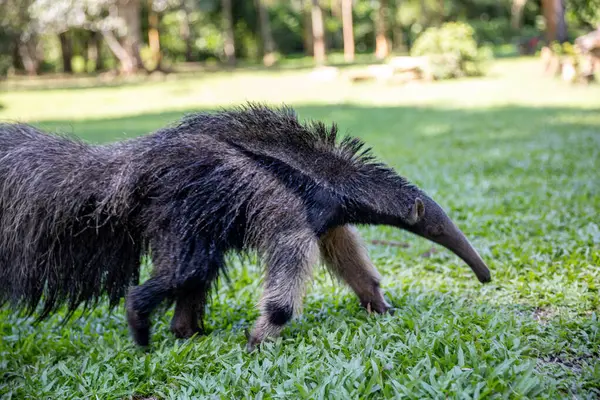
76, 219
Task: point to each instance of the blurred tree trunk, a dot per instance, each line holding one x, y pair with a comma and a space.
16, 40
336, 8
154, 35
318, 33
348, 30
130, 11
187, 31
66, 49
382, 48
229, 46
556, 26
94, 51
28, 52
335, 39
516, 13
398, 38
17, 63
84, 39
307, 25
268, 44
125, 59
397, 32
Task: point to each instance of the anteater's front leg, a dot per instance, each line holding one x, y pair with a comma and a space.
346, 256
289, 267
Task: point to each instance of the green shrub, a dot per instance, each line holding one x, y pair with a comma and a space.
452, 51
495, 30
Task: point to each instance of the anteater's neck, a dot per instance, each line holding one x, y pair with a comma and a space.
326, 208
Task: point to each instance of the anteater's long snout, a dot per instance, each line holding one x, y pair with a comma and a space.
427, 219
454, 240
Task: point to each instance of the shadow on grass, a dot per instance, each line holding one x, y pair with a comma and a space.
396, 133
413, 121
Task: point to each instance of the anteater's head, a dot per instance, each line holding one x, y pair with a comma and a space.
424, 217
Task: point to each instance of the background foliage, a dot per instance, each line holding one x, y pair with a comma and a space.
453, 50
85, 36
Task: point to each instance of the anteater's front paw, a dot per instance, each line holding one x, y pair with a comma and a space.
379, 306
252, 343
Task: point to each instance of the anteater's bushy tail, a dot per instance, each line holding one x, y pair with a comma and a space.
66, 234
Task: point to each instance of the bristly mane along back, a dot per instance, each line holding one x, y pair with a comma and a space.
345, 166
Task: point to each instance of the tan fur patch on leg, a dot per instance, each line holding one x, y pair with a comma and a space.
346, 257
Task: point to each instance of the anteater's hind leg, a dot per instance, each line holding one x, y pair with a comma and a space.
191, 296
346, 257
189, 313
289, 267
188, 282
141, 301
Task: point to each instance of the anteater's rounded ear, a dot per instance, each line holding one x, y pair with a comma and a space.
416, 212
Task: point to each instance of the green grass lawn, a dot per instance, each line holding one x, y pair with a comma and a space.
513, 157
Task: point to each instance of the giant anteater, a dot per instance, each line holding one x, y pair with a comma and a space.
76, 219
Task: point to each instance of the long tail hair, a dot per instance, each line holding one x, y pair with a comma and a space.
65, 229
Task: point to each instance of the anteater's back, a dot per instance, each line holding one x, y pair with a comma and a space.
276, 138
